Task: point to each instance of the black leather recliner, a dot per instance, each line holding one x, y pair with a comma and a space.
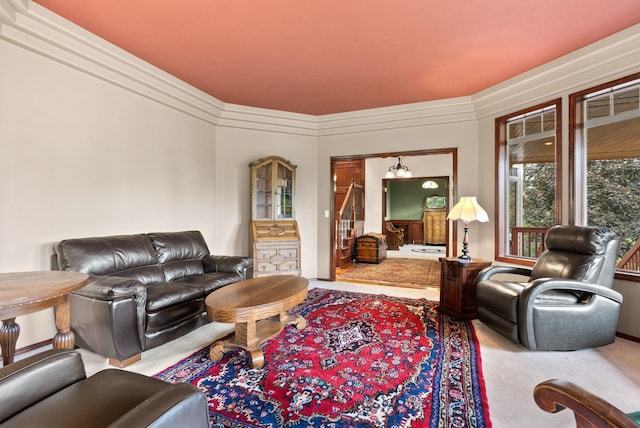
52, 390
567, 303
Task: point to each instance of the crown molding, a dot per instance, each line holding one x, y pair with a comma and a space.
605, 60
451, 110
255, 118
35, 28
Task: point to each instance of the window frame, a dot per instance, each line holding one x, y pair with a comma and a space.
577, 153
502, 177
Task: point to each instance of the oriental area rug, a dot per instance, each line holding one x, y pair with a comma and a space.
363, 360
402, 272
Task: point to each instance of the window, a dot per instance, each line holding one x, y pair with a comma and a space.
528, 156
604, 149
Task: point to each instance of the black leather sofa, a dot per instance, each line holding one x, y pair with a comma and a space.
144, 290
52, 390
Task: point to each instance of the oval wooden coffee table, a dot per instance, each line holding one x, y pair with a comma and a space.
258, 308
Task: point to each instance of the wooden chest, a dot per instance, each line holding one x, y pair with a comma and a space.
371, 248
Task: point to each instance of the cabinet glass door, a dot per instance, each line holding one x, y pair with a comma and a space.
284, 193
263, 192
272, 189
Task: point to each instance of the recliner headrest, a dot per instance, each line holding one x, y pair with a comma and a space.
578, 239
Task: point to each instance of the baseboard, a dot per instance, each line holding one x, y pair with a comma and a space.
30, 348
628, 337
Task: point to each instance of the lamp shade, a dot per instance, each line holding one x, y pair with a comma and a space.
467, 209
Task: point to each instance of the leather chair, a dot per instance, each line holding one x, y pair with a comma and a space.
589, 410
51, 390
395, 237
567, 302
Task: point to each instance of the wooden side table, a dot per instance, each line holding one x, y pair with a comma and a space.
458, 286
22, 293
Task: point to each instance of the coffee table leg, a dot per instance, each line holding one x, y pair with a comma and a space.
298, 321
8, 338
245, 338
64, 338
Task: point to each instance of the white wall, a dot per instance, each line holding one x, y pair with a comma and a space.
236, 148
94, 141
436, 125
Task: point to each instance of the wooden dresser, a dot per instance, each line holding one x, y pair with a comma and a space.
435, 226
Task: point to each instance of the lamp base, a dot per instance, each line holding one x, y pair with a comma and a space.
465, 244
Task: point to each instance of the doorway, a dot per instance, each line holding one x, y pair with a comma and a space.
373, 217
418, 206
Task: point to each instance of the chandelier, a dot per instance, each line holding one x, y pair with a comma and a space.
398, 170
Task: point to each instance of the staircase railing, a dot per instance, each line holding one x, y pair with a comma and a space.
347, 220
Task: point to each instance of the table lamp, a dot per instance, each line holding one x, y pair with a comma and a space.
467, 210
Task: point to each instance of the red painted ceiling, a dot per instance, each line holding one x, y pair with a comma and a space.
329, 56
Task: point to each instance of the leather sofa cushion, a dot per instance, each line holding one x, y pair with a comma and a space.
173, 315
87, 396
180, 253
130, 256
165, 294
211, 281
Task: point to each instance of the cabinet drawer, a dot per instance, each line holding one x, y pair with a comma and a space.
290, 253
262, 254
265, 267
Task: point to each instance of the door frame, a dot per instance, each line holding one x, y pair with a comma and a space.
453, 243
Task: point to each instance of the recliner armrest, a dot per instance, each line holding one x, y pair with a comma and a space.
487, 273
538, 286
181, 404
232, 264
34, 378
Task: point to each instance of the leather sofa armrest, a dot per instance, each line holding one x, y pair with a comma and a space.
112, 288
117, 288
181, 404
34, 378
232, 264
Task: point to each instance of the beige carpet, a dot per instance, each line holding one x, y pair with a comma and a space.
401, 272
510, 371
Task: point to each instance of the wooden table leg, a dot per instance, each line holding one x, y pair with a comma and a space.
64, 338
8, 338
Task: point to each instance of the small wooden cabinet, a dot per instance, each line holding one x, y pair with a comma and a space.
274, 234
458, 286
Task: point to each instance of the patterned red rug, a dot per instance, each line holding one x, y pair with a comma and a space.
362, 361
